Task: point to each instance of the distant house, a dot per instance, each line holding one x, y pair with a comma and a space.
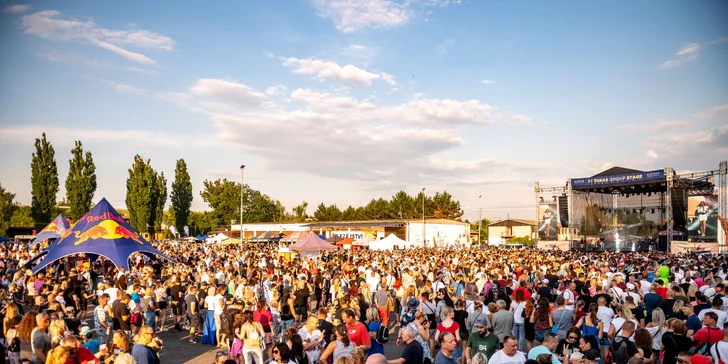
500, 231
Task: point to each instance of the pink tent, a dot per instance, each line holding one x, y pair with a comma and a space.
311, 243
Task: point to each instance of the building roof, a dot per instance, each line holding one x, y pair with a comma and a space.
513, 222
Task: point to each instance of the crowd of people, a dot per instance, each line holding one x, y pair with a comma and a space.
439, 306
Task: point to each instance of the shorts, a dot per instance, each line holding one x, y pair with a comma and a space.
604, 342
177, 308
703, 217
162, 305
301, 311
266, 329
218, 324
194, 320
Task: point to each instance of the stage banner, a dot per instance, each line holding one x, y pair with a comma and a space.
618, 179
688, 247
551, 245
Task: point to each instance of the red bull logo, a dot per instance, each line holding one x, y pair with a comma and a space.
107, 229
52, 227
66, 233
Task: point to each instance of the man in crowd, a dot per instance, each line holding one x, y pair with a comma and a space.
502, 322
481, 341
622, 349
102, 324
122, 314
358, 333
550, 343
447, 347
193, 312
40, 341
509, 354
412, 352
312, 338
710, 331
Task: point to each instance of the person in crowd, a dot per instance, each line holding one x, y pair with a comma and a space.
448, 344
622, 349
550, 343
481, 341
340, 347
40, 341
413, 351
675, 341
509, 354
358, 332
502, 321
643, 341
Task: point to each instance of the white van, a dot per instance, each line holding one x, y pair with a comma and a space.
513, 246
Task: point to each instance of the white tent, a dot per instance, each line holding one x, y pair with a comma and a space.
216, 239
388, 243
363, 242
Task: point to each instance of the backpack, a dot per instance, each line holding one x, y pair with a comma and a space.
383, 334
226, 323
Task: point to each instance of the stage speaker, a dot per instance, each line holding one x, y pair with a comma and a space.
564, 211
679, 208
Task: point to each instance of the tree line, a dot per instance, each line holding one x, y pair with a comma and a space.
147, 194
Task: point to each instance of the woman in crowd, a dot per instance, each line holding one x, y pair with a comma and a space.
528, 326
341, 347
542, 320
448, 324
643, 342
674, 342
373, 325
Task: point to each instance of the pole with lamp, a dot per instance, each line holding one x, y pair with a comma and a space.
423, 218
242, 167
480, 219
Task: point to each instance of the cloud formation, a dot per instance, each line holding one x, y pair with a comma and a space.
351, 16
326, 70
17, 9
339, 136
52, 25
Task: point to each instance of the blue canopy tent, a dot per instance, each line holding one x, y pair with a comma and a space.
101, 232
4, 239
53, 231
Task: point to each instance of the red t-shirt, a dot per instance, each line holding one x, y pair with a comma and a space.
264, 317
662, 291
85, 356
526, 293
358, 334
453, 329
701, 336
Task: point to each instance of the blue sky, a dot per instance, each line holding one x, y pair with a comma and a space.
341, 101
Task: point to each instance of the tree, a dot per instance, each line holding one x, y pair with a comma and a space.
181, 195
7, 207
299, 212
199, 223
159, 199
22, 217
142, 195
349, 214
223, 197
402, 206
377, 209
80, 182
44, 181
445, 207
327, 213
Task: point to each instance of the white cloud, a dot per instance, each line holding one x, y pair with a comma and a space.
73, 59
656, 126
356, 47
651, 153
66, 136
688, 52
488, 82
52, 25
227, 91
128, 89
382, 146
444, 46
325, 70
17, 9
354, 15
278, 90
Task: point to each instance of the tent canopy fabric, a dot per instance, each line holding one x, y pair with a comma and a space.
103, 232
312, 243
216, 239
294, 237
363, 242
54, 230
265, 237
347, 241
335, 238
3, 239
387, 243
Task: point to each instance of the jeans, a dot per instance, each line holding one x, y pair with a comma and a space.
519, 332
151, 320
285, 324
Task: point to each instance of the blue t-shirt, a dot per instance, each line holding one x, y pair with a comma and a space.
143, 355
694, 323
652, 300
92, 346
651, 276
376, 347
535, 352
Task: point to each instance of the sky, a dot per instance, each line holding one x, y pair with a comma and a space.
342, 101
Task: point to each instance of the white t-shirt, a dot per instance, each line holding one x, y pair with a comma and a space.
518, 311
112, 292
722, 316
501, 358
719, 351
315, 352
569, 296
605, 314
619, 322
217, 306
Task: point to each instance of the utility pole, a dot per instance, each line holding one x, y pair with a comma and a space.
242, 167
480, 219
423, 217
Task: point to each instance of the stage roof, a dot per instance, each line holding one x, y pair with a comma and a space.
622, 180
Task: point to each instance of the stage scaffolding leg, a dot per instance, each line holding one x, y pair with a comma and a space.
669, 174
569, 203
537, 192
722, 206
615, 219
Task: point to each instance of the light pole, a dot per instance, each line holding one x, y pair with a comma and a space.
242, 167
480, 219
423, 217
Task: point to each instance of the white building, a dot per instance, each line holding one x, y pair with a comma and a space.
500, 231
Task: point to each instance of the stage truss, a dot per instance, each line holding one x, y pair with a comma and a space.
691, 184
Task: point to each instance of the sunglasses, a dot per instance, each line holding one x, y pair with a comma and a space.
573, 337
221, 353
275, 351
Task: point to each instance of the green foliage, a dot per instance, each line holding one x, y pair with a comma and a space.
22, 217
7, 208
445, 207
200, 223
525, 240
146, 194
181, 195
327, 213
483, 229
223, 197
299, 212
80, 182
44, 181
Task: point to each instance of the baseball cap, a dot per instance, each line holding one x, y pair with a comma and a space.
413, 303
630, 286
545, 281
699, 359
